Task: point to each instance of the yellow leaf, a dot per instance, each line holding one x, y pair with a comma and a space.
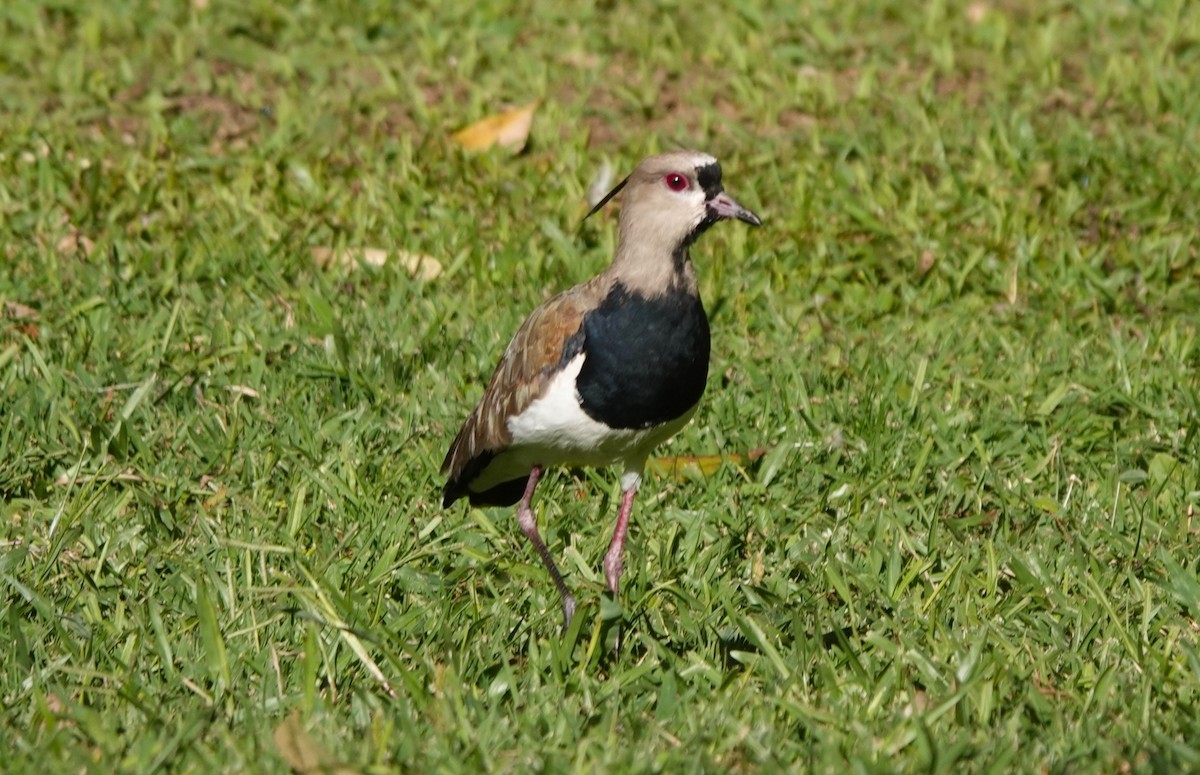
508, 130
420, 266
684, 467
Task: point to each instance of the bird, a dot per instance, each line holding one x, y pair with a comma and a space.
604, 372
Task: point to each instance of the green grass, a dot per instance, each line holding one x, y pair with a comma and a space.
968, 332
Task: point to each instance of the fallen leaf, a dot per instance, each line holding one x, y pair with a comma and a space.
687, 466
15, 310
926, 261
349, 258
1014, 284
580, 59
242, 390
917, 705
420, 266
74, 244
301, 752
682, 467
976, 12
509, 129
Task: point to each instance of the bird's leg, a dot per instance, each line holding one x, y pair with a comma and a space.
528, 522
613, 559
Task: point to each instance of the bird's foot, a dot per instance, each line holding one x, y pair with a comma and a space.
568, 606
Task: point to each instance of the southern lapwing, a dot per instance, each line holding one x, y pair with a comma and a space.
606, 371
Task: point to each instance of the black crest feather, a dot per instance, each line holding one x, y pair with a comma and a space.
607, 197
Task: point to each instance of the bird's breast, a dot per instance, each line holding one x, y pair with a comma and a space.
646, 358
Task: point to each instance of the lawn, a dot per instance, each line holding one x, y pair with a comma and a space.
947, 517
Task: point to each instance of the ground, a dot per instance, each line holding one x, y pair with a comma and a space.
939, 510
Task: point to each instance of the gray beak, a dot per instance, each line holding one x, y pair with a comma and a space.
723, 206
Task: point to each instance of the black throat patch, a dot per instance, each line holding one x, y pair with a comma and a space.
646, 359
708, 178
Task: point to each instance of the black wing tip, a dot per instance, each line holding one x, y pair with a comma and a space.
453, 489
503, 494
458, 485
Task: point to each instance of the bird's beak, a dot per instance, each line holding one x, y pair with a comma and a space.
723, 206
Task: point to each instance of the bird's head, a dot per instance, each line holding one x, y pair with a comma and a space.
670, 200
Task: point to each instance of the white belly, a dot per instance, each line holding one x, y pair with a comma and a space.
554, 430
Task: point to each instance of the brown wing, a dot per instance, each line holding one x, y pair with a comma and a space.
533, 356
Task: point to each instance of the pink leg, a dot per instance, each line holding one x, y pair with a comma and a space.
528, 522
613, 559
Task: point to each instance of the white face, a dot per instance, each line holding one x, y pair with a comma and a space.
678, 201
668, 200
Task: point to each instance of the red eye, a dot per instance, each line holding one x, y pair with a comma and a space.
675, 181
